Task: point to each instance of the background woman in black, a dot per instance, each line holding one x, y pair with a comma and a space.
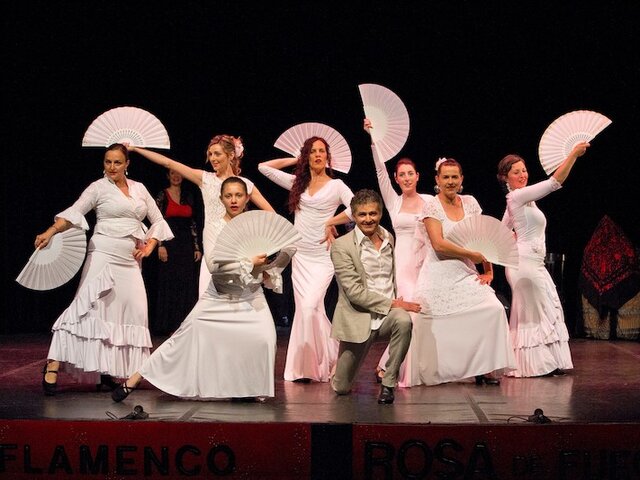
177, 289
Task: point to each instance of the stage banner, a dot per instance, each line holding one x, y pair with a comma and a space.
52, 449
524, 451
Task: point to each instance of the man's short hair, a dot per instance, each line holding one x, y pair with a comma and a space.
364, 196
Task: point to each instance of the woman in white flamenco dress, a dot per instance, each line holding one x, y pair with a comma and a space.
224, 154
314, 198
462, 330
226, 346
105, 330
404, 211
539, 334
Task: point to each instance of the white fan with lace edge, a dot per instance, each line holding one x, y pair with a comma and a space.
131, 125
253, 233
292, 139
565, 132
389, 118
489, 236
55, 264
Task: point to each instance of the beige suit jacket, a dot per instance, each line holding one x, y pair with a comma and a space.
357, 305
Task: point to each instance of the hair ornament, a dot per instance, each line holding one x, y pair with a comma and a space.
238, 147
440, 161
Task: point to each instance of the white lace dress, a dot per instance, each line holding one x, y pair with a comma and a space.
311, 352
408, 258
213, 222
538, 333
105, 329
462, 330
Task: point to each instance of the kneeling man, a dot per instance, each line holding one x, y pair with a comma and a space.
367, 306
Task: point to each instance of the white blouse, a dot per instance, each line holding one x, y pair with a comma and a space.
118, 215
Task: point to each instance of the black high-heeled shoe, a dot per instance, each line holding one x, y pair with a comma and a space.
302, 380
107, 384
379, 375
244, 399
484, 380
49, 388
121, 392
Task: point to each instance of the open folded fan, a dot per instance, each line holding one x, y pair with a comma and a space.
57, 263
253, 233
131, 125
565, 132
487, 235
292, 140
389, 118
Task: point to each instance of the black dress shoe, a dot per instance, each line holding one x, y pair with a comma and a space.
386, 395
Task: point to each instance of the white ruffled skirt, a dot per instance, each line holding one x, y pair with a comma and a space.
539, 336
105, 329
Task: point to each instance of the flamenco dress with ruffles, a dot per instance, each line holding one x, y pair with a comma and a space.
539, 335
105, 328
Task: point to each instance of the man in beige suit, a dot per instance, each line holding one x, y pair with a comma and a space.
367, 307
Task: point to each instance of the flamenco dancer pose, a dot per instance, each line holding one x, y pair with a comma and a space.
104, 333
224, 154
314, 197
538, 333
226, 346
462, 330
404, 210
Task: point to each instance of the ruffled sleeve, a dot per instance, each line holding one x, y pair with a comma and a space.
232, 278
75, 214
471, 205
273, 279
432, 209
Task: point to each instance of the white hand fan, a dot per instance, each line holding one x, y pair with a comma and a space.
292, 140
565, 132
489, 236
388, 116
131, 125
57, 263
253, 233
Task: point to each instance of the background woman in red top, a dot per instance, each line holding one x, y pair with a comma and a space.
177, 289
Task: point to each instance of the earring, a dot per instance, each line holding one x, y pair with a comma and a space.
460, 189
104, 172
508, 187
126, 172
436, 189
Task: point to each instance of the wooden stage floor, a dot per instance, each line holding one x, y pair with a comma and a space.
603, 387
456, 430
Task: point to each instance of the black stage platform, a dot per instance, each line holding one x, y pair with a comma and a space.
456, 430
